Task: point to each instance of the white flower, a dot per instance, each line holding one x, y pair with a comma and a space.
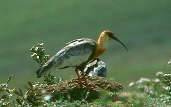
167, 75
37, 57
34, 54
47, 55
10, 95
157, 80
159, 73
43, 91
166, 88
41, 44
143, 80
37, 84
169, 62
5, 85
47, 97
36, 48
151, 92
131, 84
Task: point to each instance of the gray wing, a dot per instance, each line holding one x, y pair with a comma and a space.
75, 53
77, 40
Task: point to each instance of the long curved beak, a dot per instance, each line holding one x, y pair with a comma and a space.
116, 39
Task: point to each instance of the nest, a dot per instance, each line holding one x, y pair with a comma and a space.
96, 83
72, 91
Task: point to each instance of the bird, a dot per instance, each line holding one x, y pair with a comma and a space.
78, 53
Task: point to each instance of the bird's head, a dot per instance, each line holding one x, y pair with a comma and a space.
106, 36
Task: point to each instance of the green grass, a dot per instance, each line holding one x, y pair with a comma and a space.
143, 25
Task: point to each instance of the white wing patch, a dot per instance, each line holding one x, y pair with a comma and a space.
75, 60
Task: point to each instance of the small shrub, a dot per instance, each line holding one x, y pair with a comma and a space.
157, 91
6, 93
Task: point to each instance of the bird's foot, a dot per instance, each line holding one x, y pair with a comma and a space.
83, 83
78, 81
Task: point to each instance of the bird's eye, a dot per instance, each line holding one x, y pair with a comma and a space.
110, 35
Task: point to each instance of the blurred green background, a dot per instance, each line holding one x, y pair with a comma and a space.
144, 25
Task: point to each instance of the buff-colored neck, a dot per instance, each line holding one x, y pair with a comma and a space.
103, 42
102, 45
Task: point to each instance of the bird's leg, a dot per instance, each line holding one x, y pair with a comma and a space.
78, 80
84, 82
83, 77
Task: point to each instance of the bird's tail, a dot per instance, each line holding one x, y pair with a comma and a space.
44, 69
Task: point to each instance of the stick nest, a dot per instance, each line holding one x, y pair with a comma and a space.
95, 82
